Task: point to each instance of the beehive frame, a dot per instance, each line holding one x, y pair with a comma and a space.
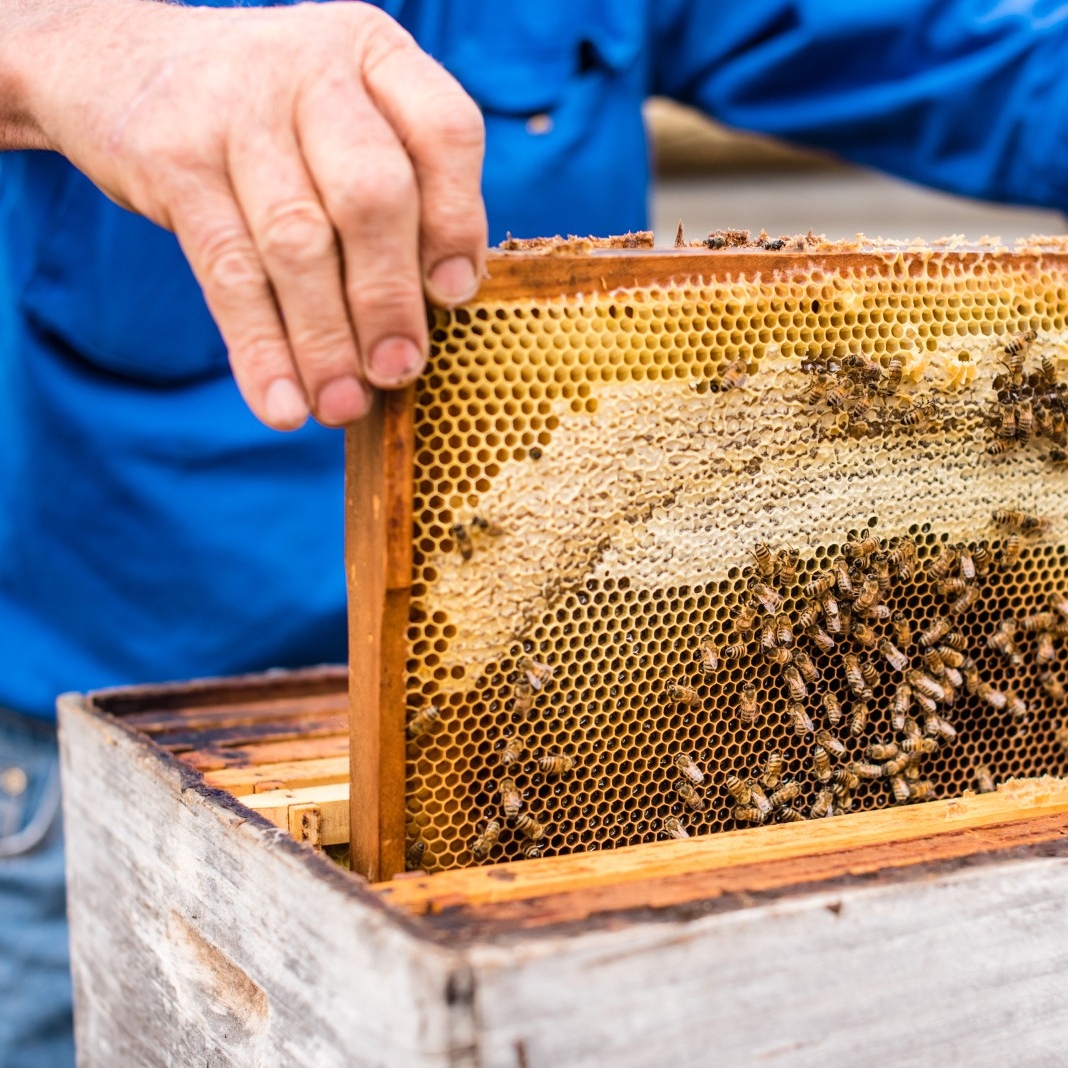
553, 342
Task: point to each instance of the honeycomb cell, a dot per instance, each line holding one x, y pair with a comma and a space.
594, 475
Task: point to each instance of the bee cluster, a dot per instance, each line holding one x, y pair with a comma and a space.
861, 395
533, 677
868, 700
1029, 404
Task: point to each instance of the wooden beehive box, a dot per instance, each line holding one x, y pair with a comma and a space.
556, 542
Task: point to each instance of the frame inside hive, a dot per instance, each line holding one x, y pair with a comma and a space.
796, 478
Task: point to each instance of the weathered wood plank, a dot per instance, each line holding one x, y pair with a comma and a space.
332, 802
204, 936
288, 774
275, 730
879, 829
237, 714
247, 756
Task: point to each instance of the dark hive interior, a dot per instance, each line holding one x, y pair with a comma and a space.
603, 480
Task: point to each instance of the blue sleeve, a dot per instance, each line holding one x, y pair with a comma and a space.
965, 95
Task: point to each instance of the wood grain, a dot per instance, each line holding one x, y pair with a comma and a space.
378, 509
287, 774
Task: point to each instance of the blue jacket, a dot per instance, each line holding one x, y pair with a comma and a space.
150, 528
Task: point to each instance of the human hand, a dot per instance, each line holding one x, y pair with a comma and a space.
320, 171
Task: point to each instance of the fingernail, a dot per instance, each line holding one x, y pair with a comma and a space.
284, 404
453, 280
395, 360
343, 400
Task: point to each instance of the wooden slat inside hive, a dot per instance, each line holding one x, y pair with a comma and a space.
600, 442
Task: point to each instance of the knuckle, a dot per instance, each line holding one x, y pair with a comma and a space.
229, 263
257, 359
389, 189
387, 298
295, 234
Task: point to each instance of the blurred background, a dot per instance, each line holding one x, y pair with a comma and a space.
713, 178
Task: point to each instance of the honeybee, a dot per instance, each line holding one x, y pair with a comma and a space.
527, 825
733, 651
921, 790
1002, 642
855, 676
512, 751
920, 416
788, 561
982, 558
1060, 736
984, 780
556, 763
537, 673
795, 683
844, 580
994, 698
925, 703
413, 855
902, 558
530, 849
845, 779
865, 636
858, 718
902, 629
511, 800
956, 640
832, 617
1054, 687
842, 391
760, 799
1015, 348
861, 548
809, 672
1016, 706
821, 639
925, 745
925, 685
897, 660
769, 638
952, 658
1049, 371
745, 617
673, 828
883, 750
522, 696
708, 658
764, 558
936, 631
740, 791
832, 707
935, 665
423, 721
772, 774
830, 742
900, 704
868, 597
1044, 651
735, 375
784, 634
948, 587
1025, 420
790, 815
808, 616
483, 525
685, 763
1059, 603
821, 763
769, 600
746, 814
463, 540
881, 568
866, 771
789, 791
894, 370
1009, 517
1038, 621
681, 695
998, 447
820, 585
690, 796
484, 843
747, 704
823, 805
900, 787
965, 601
1010, 551
779, 656
799, 717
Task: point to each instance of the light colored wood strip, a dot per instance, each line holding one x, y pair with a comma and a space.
306, 824
287, 809
1016, 800
289, 774
267, 753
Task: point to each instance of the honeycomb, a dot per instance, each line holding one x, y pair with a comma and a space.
608, 483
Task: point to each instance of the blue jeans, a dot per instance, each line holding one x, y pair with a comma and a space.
36, 1028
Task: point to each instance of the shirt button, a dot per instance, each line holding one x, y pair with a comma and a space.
13, 781
539, 124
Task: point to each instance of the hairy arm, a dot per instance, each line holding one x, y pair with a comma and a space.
321, 172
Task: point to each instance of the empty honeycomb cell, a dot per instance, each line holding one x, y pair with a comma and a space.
624, 546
